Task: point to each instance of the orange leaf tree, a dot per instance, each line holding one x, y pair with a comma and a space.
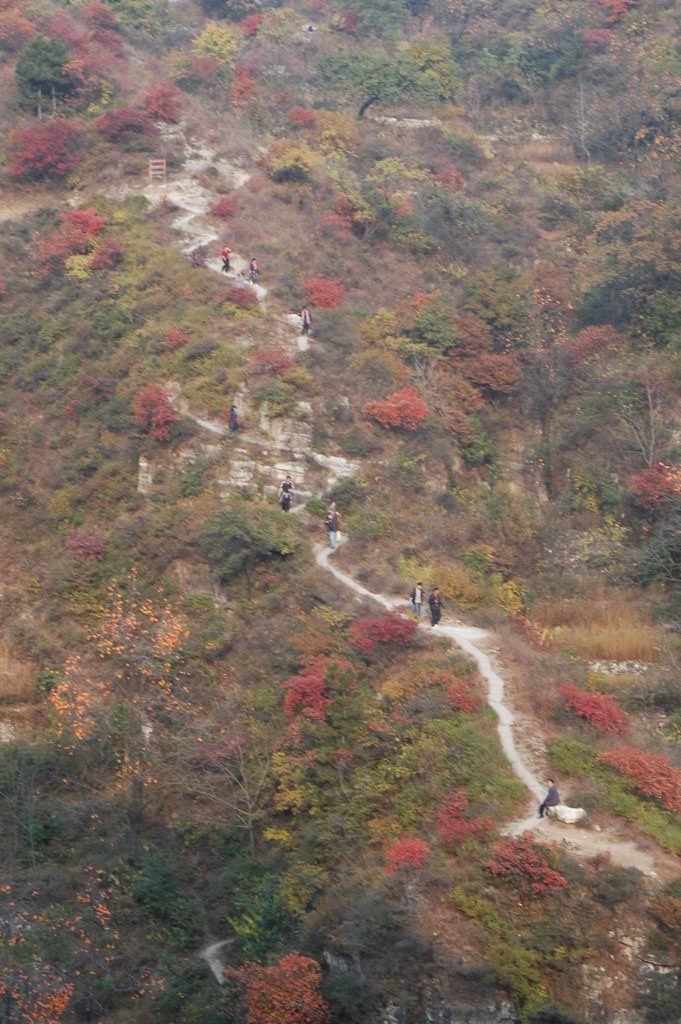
286, 993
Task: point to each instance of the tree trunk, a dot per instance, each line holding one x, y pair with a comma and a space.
367, 103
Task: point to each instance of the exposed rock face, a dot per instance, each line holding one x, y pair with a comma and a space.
568, 815
145, 476
481, 1013
195, 579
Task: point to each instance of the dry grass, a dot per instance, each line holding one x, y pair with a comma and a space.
545, 151
15, 678
601, 625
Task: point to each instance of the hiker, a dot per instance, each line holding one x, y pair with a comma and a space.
435, 604
255, 272
226, 253
550, 800
306, 319
285, 496
233, 421
417, 595
332, 523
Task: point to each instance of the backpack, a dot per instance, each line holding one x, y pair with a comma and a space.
413, 595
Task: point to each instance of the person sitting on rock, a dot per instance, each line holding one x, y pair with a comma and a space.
550, 800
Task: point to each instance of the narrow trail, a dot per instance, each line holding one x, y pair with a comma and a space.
581, 842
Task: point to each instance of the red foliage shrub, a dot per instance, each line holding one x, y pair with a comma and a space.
600, 709
458, 691
242, 298
405, 409
270, 360
204, 69
589, 342
453, 826
409, 851
244, 87
72, 411
15, 31
284, 98
86, 547
519, 861
99, 15
288, 991
653, 774
78, 228
308, 691
109, 40
344, 21
301, 117
51, 147
494, 371
598, 39
390, 630
162, 102
199, 256
124, 122
451, 178
225, 207
615, 8
153, 412
250, 25
325, 292
657, 485
108, 255
176, 339
97, 387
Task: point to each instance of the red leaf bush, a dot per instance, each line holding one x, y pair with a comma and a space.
242, 298
48, 148
458, 691
589, 342
176, 339
87, 547
301, 117
225, 207
287, 991
657, 485
325, 292
453, 826
390, 630
409, 851
250, 25
404, 409
308, 692
600, 709
162, 103
124, 122
270, 360
15, 31
653, 774
153, 412
78, 229
519, 862
108, 255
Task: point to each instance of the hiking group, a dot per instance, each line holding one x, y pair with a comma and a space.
417, 598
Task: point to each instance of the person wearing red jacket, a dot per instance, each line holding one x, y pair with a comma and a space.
226, 253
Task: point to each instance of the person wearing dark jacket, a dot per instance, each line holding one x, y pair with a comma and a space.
550, 800
435, 605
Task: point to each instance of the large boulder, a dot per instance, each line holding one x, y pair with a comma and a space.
568, 815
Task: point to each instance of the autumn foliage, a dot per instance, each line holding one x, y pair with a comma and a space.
308, 692
600, 709
653, 774
162, 102
519, 862
453, 825
286, 992
242, 298
391, 630
404, 409
78, 229
273, 360
153, 412
657, 485
225, 207
52, 147
459, 692
409, 851
123, 122
325, 292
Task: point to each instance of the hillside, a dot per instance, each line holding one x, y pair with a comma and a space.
240, 783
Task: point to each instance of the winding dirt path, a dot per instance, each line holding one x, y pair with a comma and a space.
582, 842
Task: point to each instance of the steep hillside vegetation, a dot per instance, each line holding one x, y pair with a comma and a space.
216, 755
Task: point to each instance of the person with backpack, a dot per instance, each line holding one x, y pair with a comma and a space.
233, 422
226, 253
417, 597
332, 523
285, 496
306, 320
435, 605
255, 272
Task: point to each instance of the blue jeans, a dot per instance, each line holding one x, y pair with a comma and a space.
332, 538
417, 607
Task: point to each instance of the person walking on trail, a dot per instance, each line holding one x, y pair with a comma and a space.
435, 605
226, 253
285, 496
233, 420
550, 800
332, 522
305, 319
255, 272
417, 597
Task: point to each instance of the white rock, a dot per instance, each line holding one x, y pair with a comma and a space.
568, 815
